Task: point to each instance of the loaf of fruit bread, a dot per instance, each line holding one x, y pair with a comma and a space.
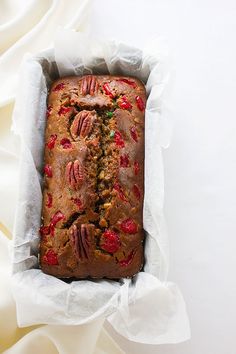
93, 178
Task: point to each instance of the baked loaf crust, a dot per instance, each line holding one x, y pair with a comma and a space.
94, 178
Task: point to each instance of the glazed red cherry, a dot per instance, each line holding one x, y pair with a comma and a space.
122, 196
63, 110
136, 191
59, 87
51, 142
118, 139
58, 216
78, 202
66, 143
136, 168
123, 103
133, 133
47, 230
107, 90
128, 226
49, 111
125, 262
49, 200
128, 82
140, 103
52, 230
48, 170
44, 230
124, 160
110, 241
50, 257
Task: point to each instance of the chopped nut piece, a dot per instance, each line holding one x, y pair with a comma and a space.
103, 222
106, 205
101, 175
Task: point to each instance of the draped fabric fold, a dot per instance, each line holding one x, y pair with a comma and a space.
40, 35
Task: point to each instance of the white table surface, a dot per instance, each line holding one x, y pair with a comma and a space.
200, 165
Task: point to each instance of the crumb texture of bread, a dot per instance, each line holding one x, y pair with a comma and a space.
92, 212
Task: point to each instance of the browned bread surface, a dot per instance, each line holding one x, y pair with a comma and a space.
94, 178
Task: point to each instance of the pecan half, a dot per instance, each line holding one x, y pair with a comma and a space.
80, 237
82, 124
89, 85
74, 174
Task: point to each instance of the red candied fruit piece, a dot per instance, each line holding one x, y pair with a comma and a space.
128, 226
136, 191
110, 241
136, 168
118, 139
51, 142
63, 110
58, 216
49, 111
44, 230
133, 133
78, 202
50, 257
66, 143
140, 103
123, 103
59, 87
120, 192
52, 230
107, 90
128, 82
125, 262
124, 160
48, 170
49, 200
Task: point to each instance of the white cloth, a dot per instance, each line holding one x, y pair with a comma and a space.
29, 26
38, 35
